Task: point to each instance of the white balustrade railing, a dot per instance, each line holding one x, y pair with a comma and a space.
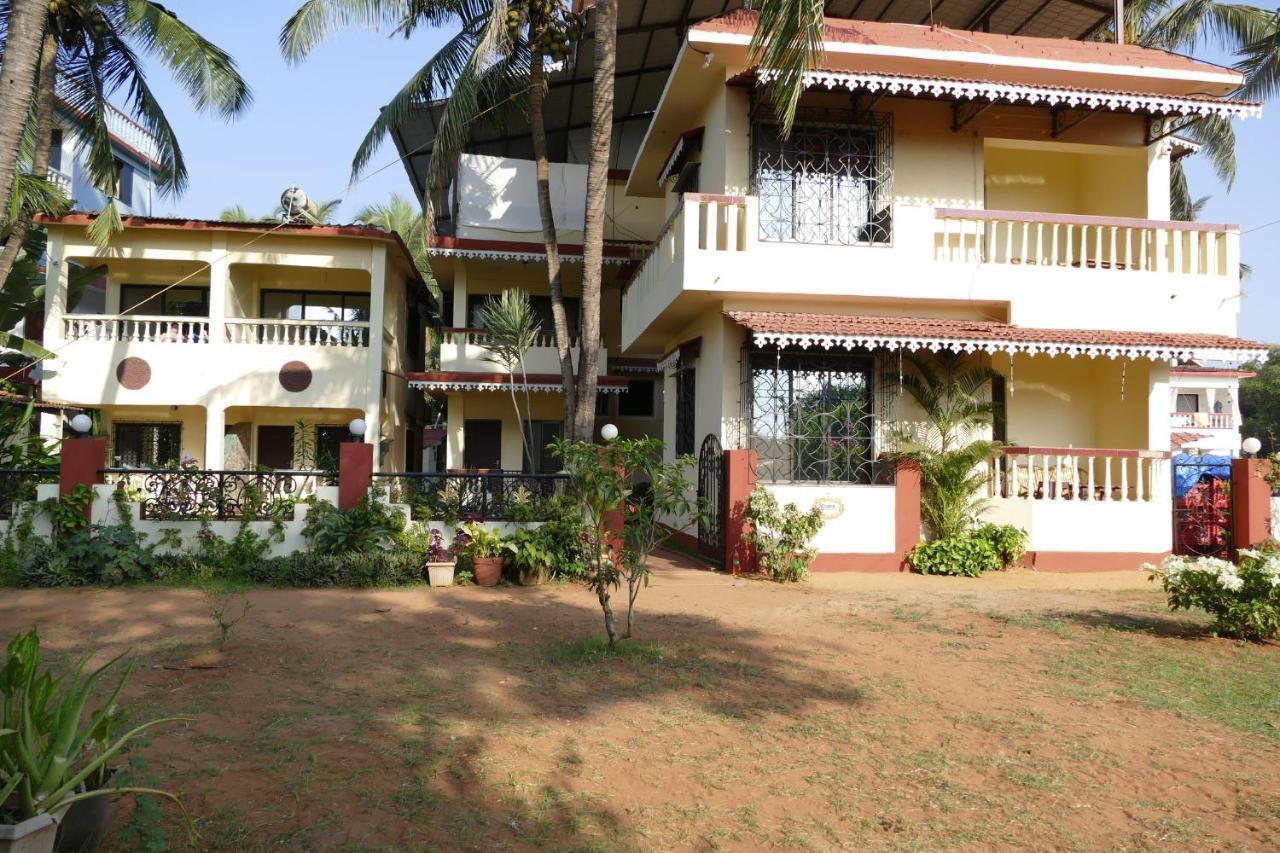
1085, 242
60, 179
700, 223
324, 333
459, 336
140, 329
1079, 474
1200, 420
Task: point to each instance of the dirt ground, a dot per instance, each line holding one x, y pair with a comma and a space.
1018, 710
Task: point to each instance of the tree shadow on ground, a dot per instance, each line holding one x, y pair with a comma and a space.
449, 720
1158, 625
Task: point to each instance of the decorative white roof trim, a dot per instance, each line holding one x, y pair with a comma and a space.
671, 359
671, 161
500, 255
531, 387
1050, 96
1071, 350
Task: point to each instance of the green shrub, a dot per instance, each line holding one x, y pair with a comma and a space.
309, 570
368, 526
781, 536
966, 554
1244, 600
1009, 542
554, 547
85, 555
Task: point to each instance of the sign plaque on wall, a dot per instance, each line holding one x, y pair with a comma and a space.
829, 508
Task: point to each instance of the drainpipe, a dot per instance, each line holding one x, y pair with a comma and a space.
1119, 15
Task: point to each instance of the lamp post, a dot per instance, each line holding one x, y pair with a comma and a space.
608, 432
1251, 446
357, 428
82, 423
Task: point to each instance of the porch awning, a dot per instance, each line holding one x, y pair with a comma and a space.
922, 333
532, 382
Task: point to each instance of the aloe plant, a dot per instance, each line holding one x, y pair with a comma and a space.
46, 752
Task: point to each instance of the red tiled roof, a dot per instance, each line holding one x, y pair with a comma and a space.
1182, 439
442, 376
918, 328
921, 37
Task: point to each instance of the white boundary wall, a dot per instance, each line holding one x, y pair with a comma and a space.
1131, 527
866, 524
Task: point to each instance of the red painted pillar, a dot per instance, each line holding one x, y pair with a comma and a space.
739, 480
355, 472
906, 509
81, 461
1250, 504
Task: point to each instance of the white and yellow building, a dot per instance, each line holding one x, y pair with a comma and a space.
1000, 189
240, 346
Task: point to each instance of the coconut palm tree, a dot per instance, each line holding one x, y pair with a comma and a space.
497, 58
93, 47
239, 213
22, 31
401, 216
788, 40
512, 329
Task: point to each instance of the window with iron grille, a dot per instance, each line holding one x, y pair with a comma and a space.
811, 416
686, 391
140, 445
828, 182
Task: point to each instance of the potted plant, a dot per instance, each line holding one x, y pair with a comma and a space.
485, 548
440, 560
49, 757
531, 555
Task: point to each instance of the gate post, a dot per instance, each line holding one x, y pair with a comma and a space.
739, 480
355, 472
80, 460
1250, 505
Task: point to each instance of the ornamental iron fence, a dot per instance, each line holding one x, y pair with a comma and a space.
475, 496
18, 486
177, 494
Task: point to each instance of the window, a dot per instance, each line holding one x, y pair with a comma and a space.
1188, 403
686, 391
315, 305
999, 410
328, 444
482, 444
55, 149
602, 404
124, 182
153, 300
826, 183
637, 400
811, 416
540, 305
541, 435
137, 445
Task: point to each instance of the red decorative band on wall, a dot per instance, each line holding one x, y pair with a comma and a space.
1090, 561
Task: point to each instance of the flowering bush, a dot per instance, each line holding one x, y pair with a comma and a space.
1244, 600
436, 550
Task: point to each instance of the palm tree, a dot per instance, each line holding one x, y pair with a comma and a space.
606, 65
948, 389
22, 28
512, 329
497, 58
403, 217
316, 212
239, 213
91, 45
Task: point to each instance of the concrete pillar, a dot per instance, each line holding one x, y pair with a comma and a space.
739, 480
1159, 395
355, 472
215, 429
219, 284
81, 461
377, 309
906, 509
1250, 504
455, 438
459, 318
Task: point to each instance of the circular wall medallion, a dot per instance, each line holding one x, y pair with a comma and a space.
133, 373
295, 376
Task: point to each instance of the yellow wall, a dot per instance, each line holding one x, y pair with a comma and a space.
1042, 178
492, 405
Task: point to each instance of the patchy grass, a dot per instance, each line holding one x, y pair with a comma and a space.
596, 649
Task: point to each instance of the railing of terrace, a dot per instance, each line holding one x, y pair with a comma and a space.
478, 496
332, 333
1202, 420
1080, 474
140, 329
18, 486
176, 494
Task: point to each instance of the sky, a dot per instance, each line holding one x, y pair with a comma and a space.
307, 120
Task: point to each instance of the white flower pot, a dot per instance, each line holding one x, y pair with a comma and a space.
440, 574
34, 835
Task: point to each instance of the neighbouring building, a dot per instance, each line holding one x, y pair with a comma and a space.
135, 150
997, 186
240, 346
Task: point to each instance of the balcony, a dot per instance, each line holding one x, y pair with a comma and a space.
1201, 420
311, 333
135, 329
1125, 274
466, 350
60, 179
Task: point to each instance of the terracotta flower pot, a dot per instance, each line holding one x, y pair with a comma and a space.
440, 574
487, 570
534, 575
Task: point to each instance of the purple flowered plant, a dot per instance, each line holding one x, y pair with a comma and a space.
436, 550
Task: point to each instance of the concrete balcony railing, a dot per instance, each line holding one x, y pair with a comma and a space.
136, 329
1086, 242
1079, 474
1201, 420
711, 249
318, 333
60, 179
467, 350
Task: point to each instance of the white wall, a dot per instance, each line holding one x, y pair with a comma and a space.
1134, 527
867, 525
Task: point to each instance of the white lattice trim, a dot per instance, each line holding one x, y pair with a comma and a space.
1126, 351
505, 387
501, 255
671, 359
1050, 96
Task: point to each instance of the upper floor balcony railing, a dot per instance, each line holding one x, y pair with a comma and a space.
60, 179
1201, 420
1121, 273
132, 328
469, 350
1082, 242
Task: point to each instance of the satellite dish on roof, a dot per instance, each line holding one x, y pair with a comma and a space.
297, 207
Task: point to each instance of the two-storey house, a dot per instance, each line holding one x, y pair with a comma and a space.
240, 345
135, 150
999, 189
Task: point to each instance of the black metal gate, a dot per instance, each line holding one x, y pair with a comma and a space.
1202, 506
711, 498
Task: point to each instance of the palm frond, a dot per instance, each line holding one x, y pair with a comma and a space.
316, 20
788, 42
105, 225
